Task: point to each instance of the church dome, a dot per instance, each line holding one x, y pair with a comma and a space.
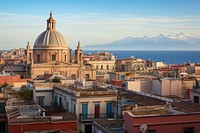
50, 37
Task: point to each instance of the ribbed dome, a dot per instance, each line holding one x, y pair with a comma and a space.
50, 38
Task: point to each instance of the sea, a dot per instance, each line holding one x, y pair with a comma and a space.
168, 57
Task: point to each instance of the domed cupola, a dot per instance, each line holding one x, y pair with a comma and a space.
50, 38
50, 45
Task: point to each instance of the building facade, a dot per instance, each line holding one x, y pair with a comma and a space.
155, 119
86, 104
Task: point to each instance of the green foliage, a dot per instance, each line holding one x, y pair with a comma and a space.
119, 95
5, 85
26, 94
56, 79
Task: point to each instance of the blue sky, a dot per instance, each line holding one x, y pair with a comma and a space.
96, 21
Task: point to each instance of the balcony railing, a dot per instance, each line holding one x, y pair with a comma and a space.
86, 117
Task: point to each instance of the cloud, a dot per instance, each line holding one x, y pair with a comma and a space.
93, 28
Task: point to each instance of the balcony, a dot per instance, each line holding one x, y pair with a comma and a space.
89, 117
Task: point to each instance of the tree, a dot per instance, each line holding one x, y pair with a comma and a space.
56, 79
26, 94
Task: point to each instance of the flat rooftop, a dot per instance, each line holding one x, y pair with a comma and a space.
151, 110
157, 110
35, 114
51, 131
86, 92
142, 100
115, 125
186, 106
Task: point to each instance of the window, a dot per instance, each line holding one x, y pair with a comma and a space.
109, 109
151, 131
65, 57
96, 110
29, 56
60, 102
53, 57
55, 101
189, 130
84, 110
87, 76
38, 57
196, 99
67, 106
40, 100
73, 76
107, 67
101, 66
97, 67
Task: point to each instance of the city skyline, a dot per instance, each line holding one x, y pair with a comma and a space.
96, 22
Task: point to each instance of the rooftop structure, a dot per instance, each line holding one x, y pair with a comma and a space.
143, 99
23, 117
109, 126
161, 119
78, 92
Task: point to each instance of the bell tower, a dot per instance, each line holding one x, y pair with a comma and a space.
28, 54
79, 54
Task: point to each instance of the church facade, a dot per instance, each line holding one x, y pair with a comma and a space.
52, 55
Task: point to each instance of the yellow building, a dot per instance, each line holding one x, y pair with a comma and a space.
51, 54
87, 104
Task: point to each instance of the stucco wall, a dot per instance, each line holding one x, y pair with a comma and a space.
192, 94
47, 94
171, 87
133, 86
162, 124
77, 101
146, 86
139, 86
197, 70
156, 87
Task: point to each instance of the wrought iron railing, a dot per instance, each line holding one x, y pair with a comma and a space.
96, 116
196, 87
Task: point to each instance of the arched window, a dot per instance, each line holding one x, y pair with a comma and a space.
73, 76
53, 57
87, 76
65, 57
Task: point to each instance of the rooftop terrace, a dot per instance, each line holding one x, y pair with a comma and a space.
86, 92
34, 114
157, 110
114, 125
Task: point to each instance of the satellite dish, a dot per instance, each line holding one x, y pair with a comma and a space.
39, 111
143, 128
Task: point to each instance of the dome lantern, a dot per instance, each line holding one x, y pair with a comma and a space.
51, 23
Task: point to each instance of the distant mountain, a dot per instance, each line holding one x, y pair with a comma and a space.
179, 41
